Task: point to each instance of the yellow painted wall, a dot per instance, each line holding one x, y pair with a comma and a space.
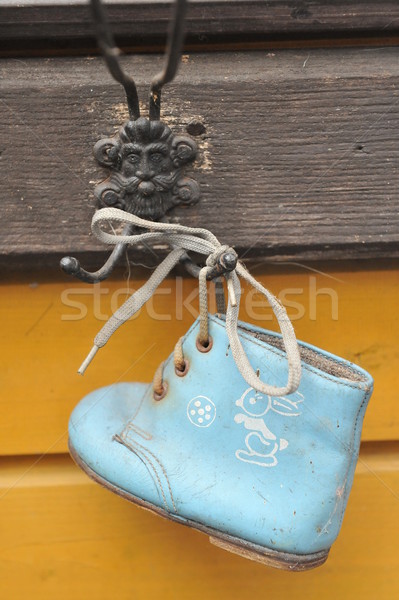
61, 536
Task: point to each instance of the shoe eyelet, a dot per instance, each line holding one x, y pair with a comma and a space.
203, 348
184, 372
159, 397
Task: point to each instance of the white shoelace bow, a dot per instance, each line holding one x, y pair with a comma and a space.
203, 242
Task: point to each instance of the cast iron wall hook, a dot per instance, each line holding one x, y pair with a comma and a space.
146, 158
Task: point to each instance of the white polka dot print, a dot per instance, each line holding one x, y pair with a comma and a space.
201, 411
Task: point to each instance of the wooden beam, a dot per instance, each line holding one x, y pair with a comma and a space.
136, 22
299, 157
63, 24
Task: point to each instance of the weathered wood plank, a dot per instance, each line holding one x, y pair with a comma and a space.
62, 536
42, 24
48, 327
299, 158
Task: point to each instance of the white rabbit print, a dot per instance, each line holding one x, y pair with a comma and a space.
262, 445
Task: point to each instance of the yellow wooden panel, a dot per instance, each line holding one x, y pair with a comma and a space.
62, 536
48, 327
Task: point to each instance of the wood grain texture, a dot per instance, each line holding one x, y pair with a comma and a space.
64, 537
299, 158
38, 24
48, 328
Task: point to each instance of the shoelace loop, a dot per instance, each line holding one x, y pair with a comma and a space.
202, 241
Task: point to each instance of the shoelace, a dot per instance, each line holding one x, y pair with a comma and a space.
201, 241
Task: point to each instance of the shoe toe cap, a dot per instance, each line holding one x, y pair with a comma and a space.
104, 412
92, 428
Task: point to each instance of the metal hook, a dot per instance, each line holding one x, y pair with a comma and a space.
174, 46
111, 54
71, 265
227, 262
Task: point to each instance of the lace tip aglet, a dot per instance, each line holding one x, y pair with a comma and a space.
231, 293
88, 360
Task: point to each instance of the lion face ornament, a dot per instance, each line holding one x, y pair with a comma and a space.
147, 162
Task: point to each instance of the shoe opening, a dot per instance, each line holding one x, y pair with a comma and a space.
309, 356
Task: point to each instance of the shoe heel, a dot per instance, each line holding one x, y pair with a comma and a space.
272, 558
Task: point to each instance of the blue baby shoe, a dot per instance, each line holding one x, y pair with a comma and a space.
264, 470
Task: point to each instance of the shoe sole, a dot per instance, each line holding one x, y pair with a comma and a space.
266, 556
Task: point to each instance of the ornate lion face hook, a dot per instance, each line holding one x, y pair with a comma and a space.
146, 158
147, 162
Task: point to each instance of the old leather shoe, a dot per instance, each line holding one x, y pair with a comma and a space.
264, 476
